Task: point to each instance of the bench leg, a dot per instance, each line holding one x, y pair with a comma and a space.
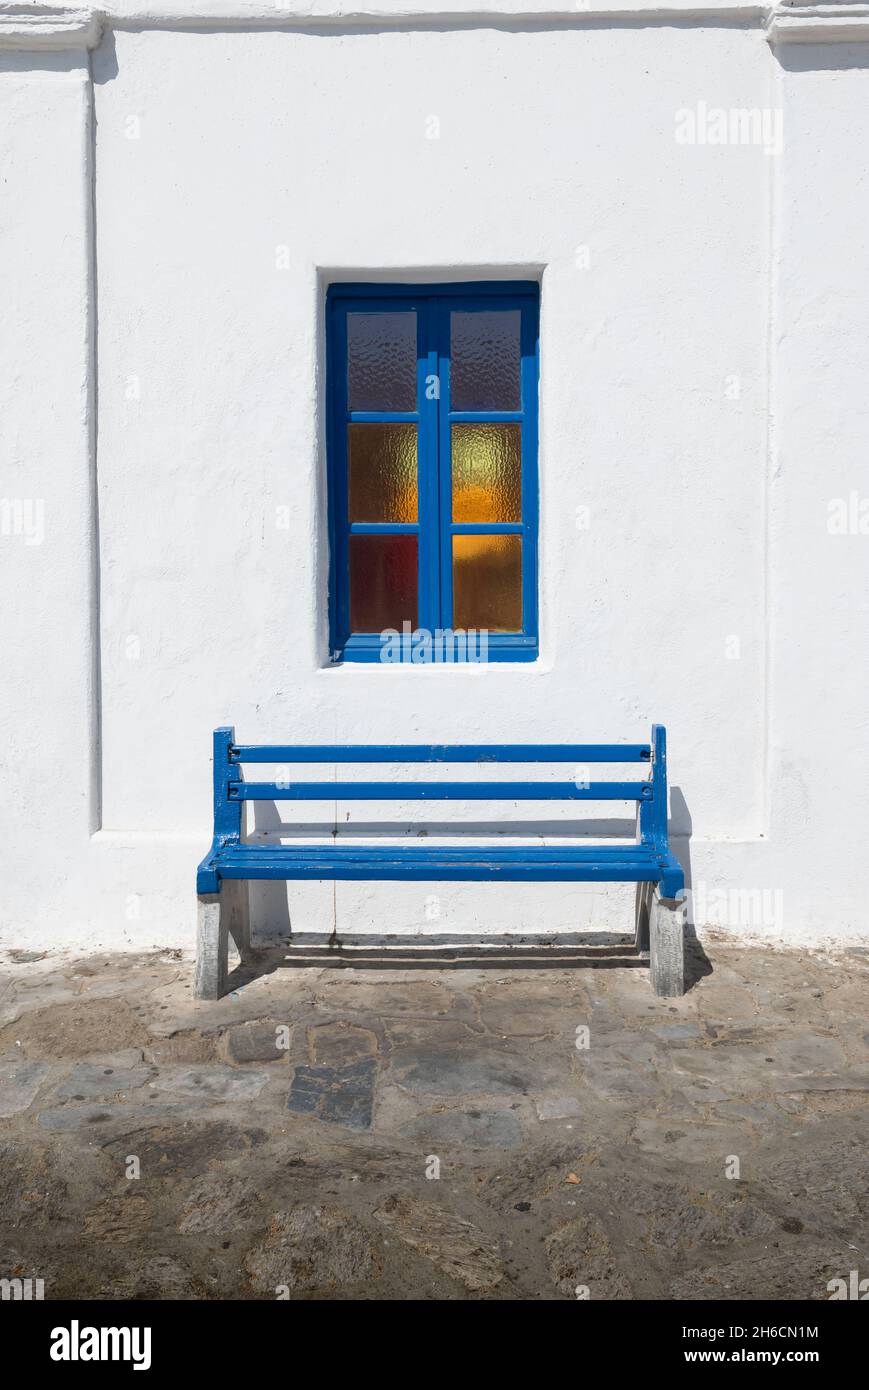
212, 946
237, 907
221, 916
667, 946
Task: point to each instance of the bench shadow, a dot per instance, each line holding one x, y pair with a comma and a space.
598, 951
580, 951
615, 828
268, 898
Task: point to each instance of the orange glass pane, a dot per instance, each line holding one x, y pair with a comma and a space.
487, 583
487, 472
383, 582
382, 472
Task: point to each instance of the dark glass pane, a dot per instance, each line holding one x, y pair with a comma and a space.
381, 361
487, 583
382, 472
484, 373
487, 472
383, 582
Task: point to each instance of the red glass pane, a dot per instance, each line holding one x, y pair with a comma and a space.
383, 582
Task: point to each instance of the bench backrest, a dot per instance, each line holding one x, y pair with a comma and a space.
231, 790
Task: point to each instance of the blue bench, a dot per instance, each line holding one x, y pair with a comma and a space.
223, 874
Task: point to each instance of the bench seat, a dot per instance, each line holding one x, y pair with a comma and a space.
622, 863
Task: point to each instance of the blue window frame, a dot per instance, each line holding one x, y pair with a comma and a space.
432, 463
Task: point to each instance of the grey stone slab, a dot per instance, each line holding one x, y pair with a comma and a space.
80, 1117
93, 1081
448, 1072
209, 1083
477, 1129
338, 1095
559, 1108
19, 1083
256, 1042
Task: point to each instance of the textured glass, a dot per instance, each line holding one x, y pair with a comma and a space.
381, 361
487, 472
484, 374
487, 583
383, 582
382, 472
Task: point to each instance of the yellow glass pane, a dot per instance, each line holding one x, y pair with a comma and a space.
382, 472
487, 583
487, 472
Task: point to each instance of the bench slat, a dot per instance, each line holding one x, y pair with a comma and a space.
441, 753
445, 870
630, 863
439, 791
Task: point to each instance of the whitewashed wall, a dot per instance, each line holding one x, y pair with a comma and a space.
181, 189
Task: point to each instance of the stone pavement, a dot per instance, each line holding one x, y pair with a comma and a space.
492, 1133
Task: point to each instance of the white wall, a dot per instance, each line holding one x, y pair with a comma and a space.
708, 510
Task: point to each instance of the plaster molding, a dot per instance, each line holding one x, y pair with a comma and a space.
55, 26
818, 24
34, 27
345, 13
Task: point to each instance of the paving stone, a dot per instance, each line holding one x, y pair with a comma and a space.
449, 1073
424, 1033
676, 1032
19, 1083
93, 1081
456, 1246
257, 1042
559, 1108
684, 1138
79, 1117
478, 1129
339, 1095
338, 1044
312, 1247
209, 1083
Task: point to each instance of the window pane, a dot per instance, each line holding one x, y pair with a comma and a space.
484, 374
487, 472
383, 582
487, 583
381, 361
382, 473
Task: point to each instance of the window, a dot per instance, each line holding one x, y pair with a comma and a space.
432, 445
